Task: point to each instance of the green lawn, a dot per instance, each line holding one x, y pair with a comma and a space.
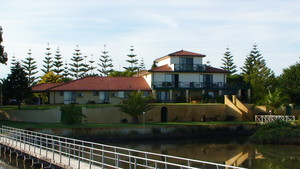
44, 107
59, 125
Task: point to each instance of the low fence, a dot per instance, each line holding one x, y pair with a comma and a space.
98, 155
270, 118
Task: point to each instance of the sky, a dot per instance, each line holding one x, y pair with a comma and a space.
154, 28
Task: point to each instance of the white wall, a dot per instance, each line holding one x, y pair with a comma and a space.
197, 60
148, 78
164, 62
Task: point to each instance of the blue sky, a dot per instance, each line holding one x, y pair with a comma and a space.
155, 28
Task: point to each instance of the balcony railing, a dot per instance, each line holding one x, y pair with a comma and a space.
190, 67
188, 85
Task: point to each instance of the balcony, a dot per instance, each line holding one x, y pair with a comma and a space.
190, 67
188, 85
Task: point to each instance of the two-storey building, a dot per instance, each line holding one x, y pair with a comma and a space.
182, 76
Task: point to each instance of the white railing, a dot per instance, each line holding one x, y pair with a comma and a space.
97, 155
270, 118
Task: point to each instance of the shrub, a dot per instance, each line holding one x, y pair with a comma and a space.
276, 132
71, 115
91, 102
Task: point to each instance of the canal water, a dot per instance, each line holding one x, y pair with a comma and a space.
236, 153
231, 152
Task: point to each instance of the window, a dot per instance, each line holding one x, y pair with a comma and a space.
169, 78
95, 93
103, 97
186, 61
113, 94
206, 80
61, 93
186, 64
121, 94
79, 94
69, 97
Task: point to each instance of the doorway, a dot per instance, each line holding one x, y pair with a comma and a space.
164, 114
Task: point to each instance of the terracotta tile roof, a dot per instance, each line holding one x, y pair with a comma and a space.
141, 73
181, 53
210, 69
164, 68
44, 87
186, 53
104, 83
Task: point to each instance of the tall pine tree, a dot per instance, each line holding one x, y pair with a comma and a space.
106, 66
142, 65
16, 85
13, 61
228, 63
85, 67
133, 68
92, 67
48, 62
58, 63
258, 75
66, 71
30, 68
76, 69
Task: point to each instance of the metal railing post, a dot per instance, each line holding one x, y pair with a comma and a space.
35, 137
91, 155
103, 156
60, 150
129, 153
69, 153
46, 146
166, 165
52, 147
41, 144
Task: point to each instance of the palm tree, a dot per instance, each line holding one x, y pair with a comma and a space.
135, 105
274, 100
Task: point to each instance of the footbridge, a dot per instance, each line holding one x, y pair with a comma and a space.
71, 153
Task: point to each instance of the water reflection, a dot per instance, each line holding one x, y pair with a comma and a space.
235, 153
231, 153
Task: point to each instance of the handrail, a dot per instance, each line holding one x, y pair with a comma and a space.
270, 118
96, 153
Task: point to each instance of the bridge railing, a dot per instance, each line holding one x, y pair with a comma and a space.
101, 155
270, 118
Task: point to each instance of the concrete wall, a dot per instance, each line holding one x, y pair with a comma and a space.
104, 115
111, 114
232, 109
37, 116
180, 113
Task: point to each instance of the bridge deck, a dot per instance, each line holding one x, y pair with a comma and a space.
78, 154
49, 156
